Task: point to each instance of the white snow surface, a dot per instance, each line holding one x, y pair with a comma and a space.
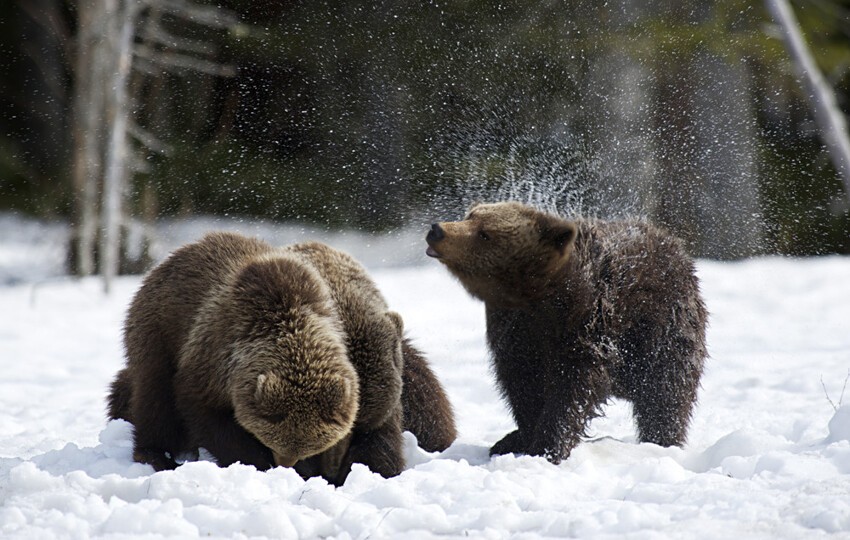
768, 454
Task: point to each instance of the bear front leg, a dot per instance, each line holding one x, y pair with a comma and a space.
572, 400
228, 442
158, 459
380, 449
158, 429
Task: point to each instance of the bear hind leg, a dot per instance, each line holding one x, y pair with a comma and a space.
662, 421
120, 392
663, 403
660, 375
427, 412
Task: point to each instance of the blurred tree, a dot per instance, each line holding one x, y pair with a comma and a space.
706, 128
368, 114
108, 45
34, 94
830, 120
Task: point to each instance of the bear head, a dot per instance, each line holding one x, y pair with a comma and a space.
294, 387
296, 411
506, 254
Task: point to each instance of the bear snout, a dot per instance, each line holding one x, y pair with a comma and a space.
434, 235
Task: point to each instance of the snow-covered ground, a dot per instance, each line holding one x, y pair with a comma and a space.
768, 455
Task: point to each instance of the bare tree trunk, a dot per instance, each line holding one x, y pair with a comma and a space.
103, 121
89, 96
618, 103
677, 180
708, 157
829, 118
120, 34
384, 191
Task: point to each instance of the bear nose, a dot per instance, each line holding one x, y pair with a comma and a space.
435, 234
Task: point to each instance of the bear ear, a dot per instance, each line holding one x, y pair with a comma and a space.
265, 383
558, 233
397, 321
472, 207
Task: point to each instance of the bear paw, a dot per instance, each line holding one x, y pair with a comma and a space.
512, 443
158, 459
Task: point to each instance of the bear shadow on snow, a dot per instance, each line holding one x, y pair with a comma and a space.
273, 356
579, 311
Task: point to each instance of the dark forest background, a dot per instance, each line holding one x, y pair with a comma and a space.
379, 114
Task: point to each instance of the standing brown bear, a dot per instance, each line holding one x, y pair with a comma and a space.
578, 312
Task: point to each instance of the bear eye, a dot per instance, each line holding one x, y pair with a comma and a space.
483, 235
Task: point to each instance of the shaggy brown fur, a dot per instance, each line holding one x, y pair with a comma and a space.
578, 312
238, 348
372, 341
391, 374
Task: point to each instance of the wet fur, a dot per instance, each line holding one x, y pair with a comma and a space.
579, 312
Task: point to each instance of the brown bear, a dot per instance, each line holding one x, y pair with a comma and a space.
373, 336
372, 340
238, 348
397, 388
579, 312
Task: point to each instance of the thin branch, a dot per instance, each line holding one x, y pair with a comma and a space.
148, 139
826, 393
136, 163
841, 397
156, 34
183, 62
149, 68
51, 21
53, 80
213, 17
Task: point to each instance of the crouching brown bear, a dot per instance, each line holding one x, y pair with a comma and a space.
578, 312
372, 340
379, 354
241, 348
